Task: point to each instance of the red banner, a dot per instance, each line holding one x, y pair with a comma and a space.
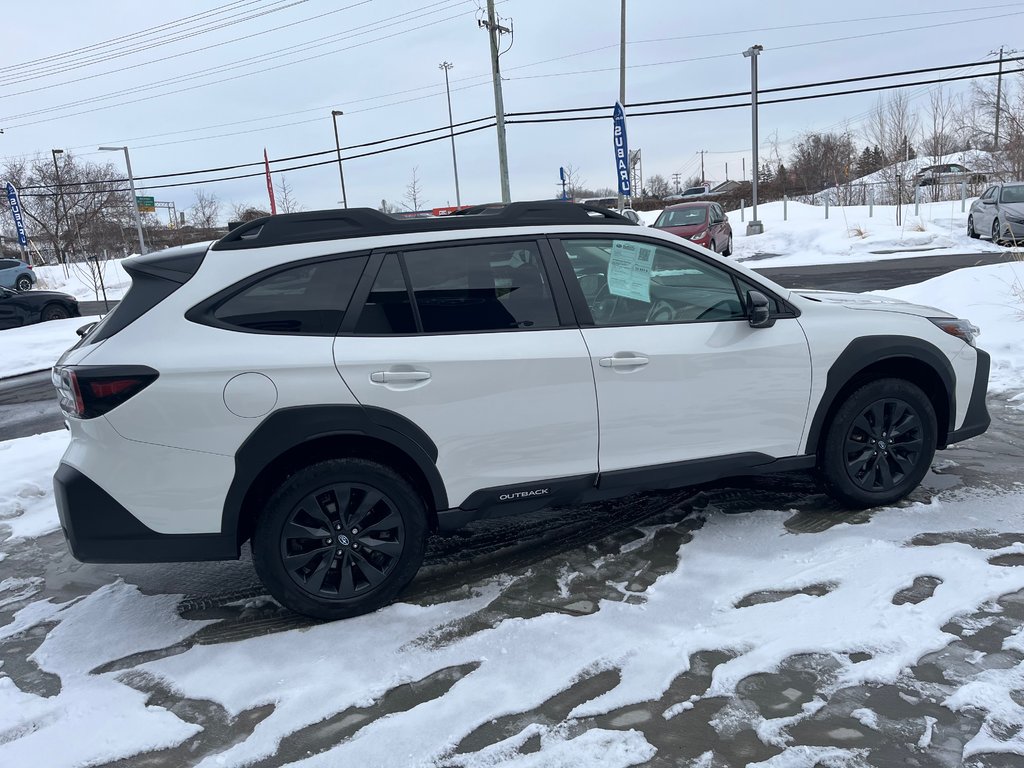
270, 184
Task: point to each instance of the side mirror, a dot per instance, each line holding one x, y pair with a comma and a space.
85, 329
759, 310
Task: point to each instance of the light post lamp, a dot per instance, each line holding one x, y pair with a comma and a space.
135, 202
335, 114
446, 65
754, 227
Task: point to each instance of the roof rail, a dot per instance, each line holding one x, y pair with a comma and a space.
316, 226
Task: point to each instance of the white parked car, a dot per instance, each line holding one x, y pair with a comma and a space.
333, 386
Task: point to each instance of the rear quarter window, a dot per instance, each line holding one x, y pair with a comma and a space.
307, 299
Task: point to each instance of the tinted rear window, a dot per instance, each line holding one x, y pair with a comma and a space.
308, 299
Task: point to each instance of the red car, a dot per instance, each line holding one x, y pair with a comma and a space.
701, 223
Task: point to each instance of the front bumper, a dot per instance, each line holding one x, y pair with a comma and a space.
100, 530
977, 420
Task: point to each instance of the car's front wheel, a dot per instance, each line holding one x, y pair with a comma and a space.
340, 538
879, 444
23, 283
55, 312
971, 231
995, 233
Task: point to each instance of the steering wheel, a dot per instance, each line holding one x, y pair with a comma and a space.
603, 305
723, 304
661, 312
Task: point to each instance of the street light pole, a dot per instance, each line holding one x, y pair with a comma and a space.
446, 65
335, 114
754, 227
135, 202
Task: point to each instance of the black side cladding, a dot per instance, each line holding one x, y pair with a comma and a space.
155, 276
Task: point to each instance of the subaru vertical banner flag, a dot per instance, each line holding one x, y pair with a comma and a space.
621, 151
19, 222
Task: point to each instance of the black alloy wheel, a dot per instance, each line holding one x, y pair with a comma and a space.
883, 445
23, 284
880, 443
340, 538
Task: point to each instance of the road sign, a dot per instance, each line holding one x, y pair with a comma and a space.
145, 204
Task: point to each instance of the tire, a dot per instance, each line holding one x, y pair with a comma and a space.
54, 312
728, 247
995, 233
883, 473
971, 232
307, 555
23, 283
712, 247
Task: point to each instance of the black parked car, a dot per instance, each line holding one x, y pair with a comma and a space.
17, 309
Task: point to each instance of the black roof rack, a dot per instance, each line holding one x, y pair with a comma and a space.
314, 226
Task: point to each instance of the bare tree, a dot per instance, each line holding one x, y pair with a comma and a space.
892, 127
657, 185
85, 214
414, 191
205, 212
285, 198
244, 212
574, 182
939, 137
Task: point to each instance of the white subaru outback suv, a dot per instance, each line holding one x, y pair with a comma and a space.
336, 385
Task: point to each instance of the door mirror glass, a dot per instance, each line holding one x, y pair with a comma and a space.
759, 313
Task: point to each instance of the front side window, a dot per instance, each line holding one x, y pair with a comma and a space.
308, 299
628, 282
483, 287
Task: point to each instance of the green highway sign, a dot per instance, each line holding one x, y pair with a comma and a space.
145, 204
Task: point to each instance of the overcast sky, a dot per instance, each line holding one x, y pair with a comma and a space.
219, 96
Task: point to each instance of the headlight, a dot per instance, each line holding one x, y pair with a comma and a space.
962, 329
1015, 219
700, 235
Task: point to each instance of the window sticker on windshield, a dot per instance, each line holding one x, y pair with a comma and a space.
629, 270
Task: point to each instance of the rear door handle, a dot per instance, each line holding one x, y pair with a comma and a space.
623, 362
390, 377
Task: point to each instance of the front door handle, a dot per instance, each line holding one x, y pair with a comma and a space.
623, 362
391, 377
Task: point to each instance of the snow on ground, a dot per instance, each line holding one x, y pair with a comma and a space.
26, 493
849, 234
37, 347
991, 297
83, 282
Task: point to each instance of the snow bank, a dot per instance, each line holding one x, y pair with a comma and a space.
26, 485
37, 347
81, 284
992, 297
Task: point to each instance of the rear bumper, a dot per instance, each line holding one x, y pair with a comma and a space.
99, 530
977, 420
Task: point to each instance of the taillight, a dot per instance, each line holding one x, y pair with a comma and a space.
86, 392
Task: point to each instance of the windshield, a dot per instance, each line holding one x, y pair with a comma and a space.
682, 217
1014, 194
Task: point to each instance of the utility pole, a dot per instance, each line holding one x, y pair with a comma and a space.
675, 180
446, 65
58, 199
494, 31
335, 114
701, 153
622, 68
135, 202
999, 97
754, 227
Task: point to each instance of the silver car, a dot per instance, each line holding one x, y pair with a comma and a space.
16, 275
999, 214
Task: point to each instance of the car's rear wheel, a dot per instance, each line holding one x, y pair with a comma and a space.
23, 283
879, 444
54, 312
971, 231
340, 538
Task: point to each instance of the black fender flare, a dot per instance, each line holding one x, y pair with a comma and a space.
869, 350
289, 428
